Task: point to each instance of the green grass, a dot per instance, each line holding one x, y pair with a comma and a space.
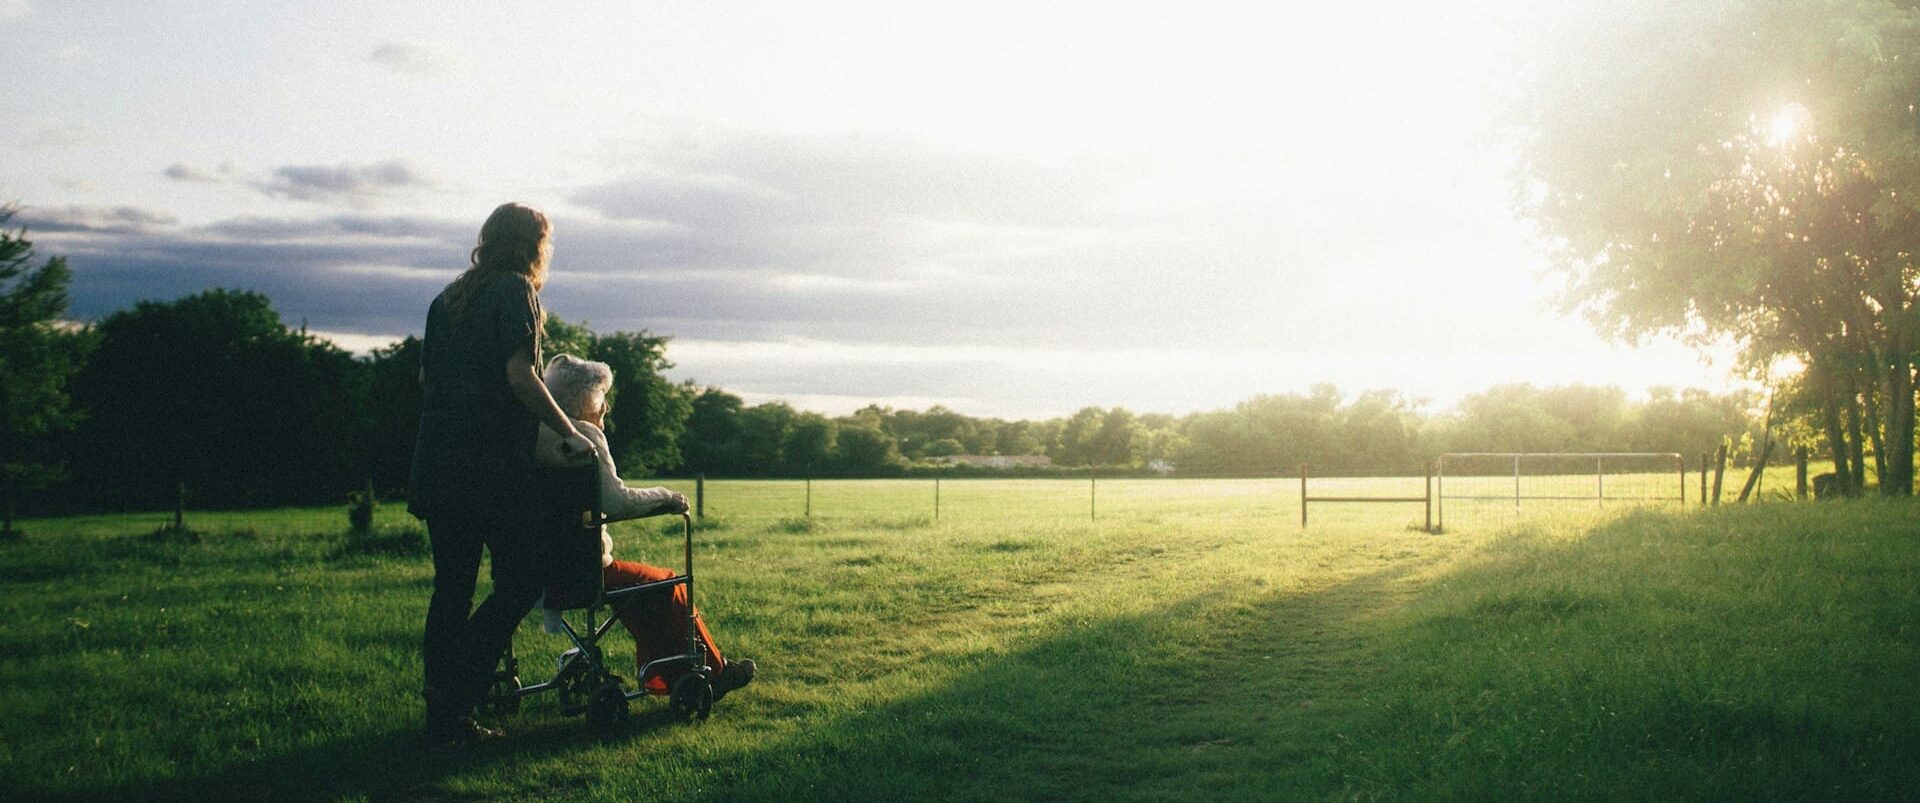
1194, 644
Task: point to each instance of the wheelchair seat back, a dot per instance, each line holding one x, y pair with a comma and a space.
570, 522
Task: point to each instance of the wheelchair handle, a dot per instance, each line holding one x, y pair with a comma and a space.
694, 647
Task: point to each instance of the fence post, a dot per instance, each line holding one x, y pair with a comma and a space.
1719, 470
1516, 482
936, 498
1705, 462
809, 496
1303, 496
1429, 495
1800, 473
180, 507
1600, 481
1093, 495
700, 496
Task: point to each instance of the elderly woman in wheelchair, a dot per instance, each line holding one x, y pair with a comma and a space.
674, 653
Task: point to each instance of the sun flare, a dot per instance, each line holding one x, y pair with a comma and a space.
1789, 125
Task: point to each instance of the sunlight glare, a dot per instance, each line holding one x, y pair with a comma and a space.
1788, 125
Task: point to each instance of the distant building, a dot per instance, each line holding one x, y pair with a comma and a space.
994, 460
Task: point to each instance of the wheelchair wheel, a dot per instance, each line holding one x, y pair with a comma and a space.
608, 705
502, 698
692, 696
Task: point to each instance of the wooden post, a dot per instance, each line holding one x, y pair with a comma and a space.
1429, 494
809, 496
1800, 473
700, 496
1706, 461
1600, 481
180, 507
1752, 486
1093, 495
1719, 470
936, 498
1303, 496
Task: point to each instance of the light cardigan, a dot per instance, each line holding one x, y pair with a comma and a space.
618, 501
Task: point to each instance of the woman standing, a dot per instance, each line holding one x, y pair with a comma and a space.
483, 403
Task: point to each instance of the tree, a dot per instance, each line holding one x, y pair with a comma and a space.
811, 444
37, 356
649, 412
213, 391
1017, 438
1112, 444
1076, 445
558, 336
945, 447
862, 449
1747, 169
394, 398
712, 440
764, 432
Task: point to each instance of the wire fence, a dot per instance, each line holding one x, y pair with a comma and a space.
1480, 484
1456, 490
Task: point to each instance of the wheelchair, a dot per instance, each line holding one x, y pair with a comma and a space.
573, 519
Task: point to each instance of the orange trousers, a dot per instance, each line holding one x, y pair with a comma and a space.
658, 622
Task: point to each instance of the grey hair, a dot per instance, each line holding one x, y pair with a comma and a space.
575, 382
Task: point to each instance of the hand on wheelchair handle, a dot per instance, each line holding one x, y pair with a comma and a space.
578, 449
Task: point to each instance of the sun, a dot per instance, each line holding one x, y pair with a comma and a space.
1788, 125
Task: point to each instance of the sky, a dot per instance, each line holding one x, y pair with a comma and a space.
1011, 209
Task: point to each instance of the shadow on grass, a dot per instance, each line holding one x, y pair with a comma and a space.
1653, 657
1545, 667
1090, 711
400, 765
1201, 699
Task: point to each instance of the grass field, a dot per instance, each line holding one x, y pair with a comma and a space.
1191, 642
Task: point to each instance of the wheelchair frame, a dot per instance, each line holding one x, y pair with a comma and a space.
583, 681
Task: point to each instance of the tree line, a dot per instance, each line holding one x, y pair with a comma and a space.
215, 394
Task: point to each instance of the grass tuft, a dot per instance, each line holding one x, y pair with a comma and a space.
403, 541
169, 534
893, 523
796, 525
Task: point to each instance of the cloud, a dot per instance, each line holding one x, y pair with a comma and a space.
224, 173
391, 228
61, 136
94, 219
739, 179
417, 58
14, 9
352, 274
353, 183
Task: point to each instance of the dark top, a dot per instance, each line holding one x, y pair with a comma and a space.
474, 454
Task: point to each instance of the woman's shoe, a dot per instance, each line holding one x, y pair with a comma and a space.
460, 731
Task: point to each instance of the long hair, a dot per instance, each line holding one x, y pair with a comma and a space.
516, 239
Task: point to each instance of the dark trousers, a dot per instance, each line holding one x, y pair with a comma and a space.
461, 647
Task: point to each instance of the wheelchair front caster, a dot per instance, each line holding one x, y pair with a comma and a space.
608, 705
692, 696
